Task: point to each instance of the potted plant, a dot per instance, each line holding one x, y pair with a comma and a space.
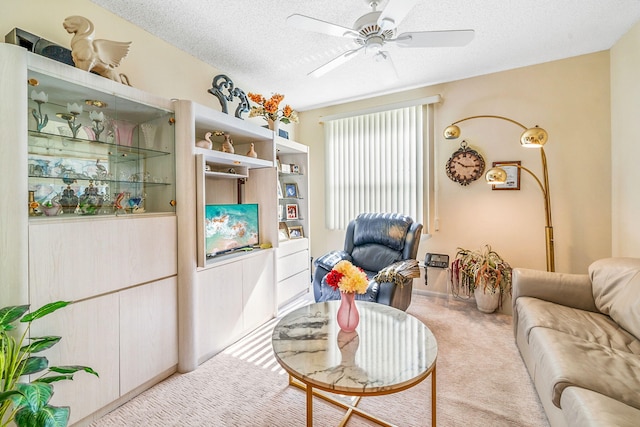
483, 273
27, 403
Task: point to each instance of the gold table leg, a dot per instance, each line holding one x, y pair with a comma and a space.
433, 397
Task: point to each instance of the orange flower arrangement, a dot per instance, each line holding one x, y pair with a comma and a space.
269, 108
346, 277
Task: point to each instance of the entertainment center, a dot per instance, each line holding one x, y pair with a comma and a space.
128, 245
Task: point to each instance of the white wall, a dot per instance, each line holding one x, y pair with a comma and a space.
570, 99
625, 111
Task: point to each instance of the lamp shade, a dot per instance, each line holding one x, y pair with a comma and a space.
496, 176
451, 132
534, 137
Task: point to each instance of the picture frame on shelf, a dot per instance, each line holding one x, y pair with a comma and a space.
295, 169
283, 231
280, 194
296, 232
292, 211
513, 175
291, 190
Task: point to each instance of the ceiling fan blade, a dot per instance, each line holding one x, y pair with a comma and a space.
395, 12
453, 38
335, 62
307, 23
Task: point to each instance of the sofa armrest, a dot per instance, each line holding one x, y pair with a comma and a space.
571, 290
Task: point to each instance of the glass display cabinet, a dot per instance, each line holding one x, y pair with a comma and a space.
94, 153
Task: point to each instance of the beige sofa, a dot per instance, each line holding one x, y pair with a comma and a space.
578, 335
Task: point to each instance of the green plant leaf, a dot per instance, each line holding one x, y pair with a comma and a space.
48, 416
32, 365
10, 314
6, 395
38, 344
54, 379
34, 395
70, 369
44, 310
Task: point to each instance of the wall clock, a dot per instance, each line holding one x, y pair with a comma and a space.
465, 165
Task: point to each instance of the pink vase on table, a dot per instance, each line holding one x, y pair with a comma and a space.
348, 316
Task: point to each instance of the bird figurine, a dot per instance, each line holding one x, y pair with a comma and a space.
99, 56
227, 145
252, 151
206, 142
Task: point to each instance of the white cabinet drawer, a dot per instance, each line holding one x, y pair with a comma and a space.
293, 286
292, 264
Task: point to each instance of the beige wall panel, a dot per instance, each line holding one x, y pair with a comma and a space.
625, 110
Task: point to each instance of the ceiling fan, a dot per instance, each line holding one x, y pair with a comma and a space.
377, 28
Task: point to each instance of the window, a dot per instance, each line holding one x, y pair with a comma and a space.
374, 163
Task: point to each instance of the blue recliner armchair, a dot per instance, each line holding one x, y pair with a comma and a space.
373, 241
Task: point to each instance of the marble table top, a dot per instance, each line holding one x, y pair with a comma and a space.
389, 351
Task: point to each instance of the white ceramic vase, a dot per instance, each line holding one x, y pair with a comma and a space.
487, 302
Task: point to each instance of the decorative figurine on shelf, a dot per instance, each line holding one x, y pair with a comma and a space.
227, 145
206, 142
91, 201
39, 98
222, 82
52, 207
69, 200
252, 151
74, 111
97, 118
100, 56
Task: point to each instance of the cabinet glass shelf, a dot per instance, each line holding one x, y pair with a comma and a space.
56, 145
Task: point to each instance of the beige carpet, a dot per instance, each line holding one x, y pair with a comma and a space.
481, 381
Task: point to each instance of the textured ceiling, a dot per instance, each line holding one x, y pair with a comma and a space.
250, 41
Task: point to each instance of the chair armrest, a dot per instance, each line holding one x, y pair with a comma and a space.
571, 290
399, 272
329, 260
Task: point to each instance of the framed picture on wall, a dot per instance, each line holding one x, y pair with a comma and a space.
291, 190
513, 175
283, 231
295, 232
292, 211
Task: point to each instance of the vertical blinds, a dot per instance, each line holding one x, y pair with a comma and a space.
374, 163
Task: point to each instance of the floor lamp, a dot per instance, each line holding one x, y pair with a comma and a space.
531, 138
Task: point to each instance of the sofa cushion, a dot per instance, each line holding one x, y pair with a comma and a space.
373, 257
594, 327
616, 290
586, 408
562, 360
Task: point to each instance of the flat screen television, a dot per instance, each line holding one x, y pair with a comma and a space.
230, 227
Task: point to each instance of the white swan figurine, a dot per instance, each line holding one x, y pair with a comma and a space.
100, 56
206, 142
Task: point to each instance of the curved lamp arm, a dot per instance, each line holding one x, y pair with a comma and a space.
490, 117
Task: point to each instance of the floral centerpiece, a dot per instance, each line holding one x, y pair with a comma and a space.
269, 109
349, 280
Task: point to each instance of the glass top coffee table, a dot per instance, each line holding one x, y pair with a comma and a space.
390, 351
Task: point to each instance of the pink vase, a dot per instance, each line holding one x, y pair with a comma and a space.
348, 316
